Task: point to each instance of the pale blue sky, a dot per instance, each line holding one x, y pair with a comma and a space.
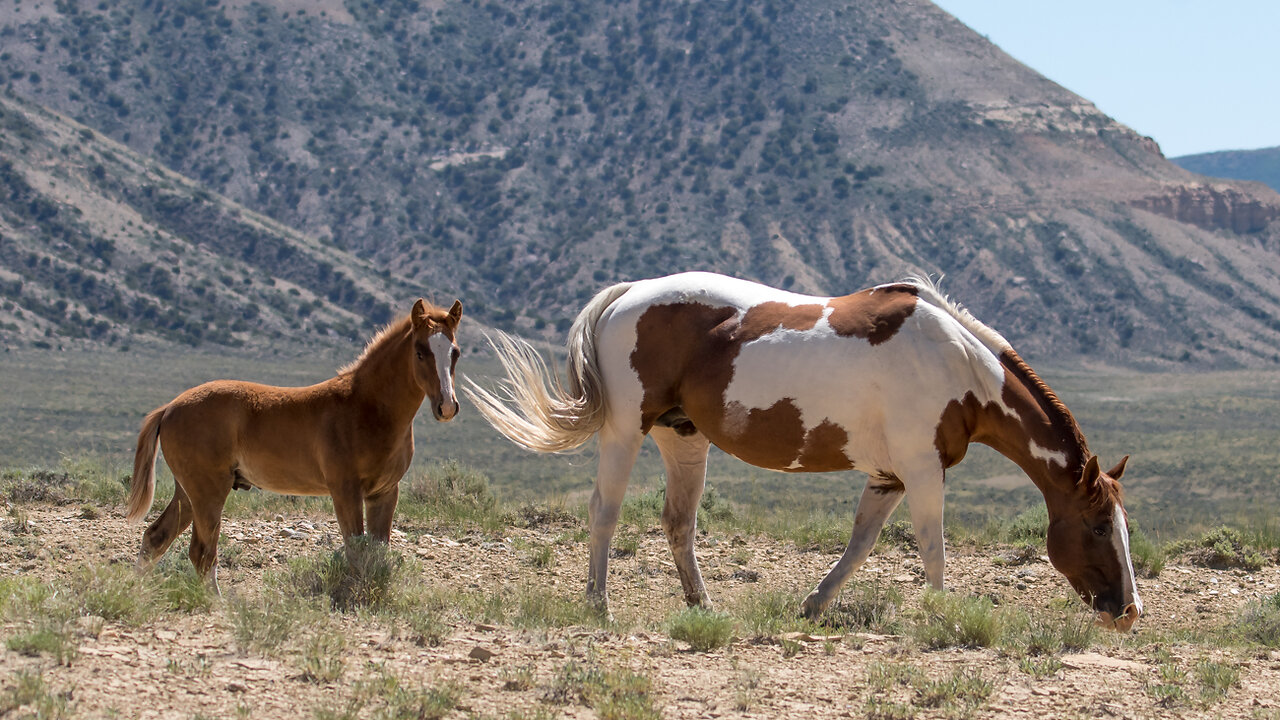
1197, 76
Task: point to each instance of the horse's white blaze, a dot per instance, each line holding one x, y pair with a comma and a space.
1120, 538
442, 348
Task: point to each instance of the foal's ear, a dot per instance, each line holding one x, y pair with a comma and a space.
1118, 470
455, 312
419, 314
1091, 471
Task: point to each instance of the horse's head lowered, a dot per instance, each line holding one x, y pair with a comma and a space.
1089, 543
436, 353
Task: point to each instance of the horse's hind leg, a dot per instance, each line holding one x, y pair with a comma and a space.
685, 460
161, 533
879, 498
617, 455
208, 496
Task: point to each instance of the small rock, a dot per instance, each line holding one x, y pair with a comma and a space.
236, 686
481, 653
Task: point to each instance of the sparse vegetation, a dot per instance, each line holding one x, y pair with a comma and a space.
704, 630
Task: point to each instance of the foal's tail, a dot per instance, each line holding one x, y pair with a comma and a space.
531, 407
143, 490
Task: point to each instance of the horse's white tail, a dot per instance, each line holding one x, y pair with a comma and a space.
531, 407
143, 489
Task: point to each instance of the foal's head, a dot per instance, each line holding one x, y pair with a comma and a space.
1089, 543
435, 347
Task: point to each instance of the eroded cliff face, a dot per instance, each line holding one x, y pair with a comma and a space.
1214, 207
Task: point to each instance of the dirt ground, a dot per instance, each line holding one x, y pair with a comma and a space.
185, 666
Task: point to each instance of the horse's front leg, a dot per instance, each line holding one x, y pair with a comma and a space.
348, 505
879, 499
617, 455
685, 460
924, 498
379, 510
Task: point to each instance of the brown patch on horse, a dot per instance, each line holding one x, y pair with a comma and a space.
769, 317
684, 357
824, 448
1038, 416
874, 315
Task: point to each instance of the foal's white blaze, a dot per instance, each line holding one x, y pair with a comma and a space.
442, 348
1120, 538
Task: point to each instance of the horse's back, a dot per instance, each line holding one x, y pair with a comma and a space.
260, 431
851, 381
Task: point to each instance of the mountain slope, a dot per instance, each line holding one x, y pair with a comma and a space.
100, 245
1262, 165
522, 156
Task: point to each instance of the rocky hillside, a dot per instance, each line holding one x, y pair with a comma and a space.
523, 155
1262, 165
101, 246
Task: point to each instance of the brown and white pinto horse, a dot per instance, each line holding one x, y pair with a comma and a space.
895, 381
350, 437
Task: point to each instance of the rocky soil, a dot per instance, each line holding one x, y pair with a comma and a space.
189, 665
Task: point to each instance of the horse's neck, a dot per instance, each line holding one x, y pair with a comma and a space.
1031, 427
381, 380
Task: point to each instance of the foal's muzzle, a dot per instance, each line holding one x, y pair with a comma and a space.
445, 411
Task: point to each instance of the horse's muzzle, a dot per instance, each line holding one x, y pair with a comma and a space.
1122, 623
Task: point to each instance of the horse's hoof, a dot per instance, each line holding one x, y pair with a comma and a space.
811, 608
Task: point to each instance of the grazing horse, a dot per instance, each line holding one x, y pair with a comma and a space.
895, 381
349, 437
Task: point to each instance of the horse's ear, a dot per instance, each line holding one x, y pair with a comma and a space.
419, 314
1091, 471
455, 312
1118, 470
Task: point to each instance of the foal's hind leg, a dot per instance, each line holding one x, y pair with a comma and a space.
685, 459
208, 496
879, 498
161, 533
617, 455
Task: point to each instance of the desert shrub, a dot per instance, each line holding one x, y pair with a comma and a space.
616, 694
265, 623
952, 619
1148, 556
450, 491
1222, 547
703, 629
1259, 621
1216, 678
865, 606
322, 658
765, 613
364, 573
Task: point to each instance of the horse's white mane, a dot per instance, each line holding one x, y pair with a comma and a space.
928, 291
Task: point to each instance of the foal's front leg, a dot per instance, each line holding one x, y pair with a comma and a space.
379, 511
348, 505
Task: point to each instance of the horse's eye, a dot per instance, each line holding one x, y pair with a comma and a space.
1100, 531
419, 354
